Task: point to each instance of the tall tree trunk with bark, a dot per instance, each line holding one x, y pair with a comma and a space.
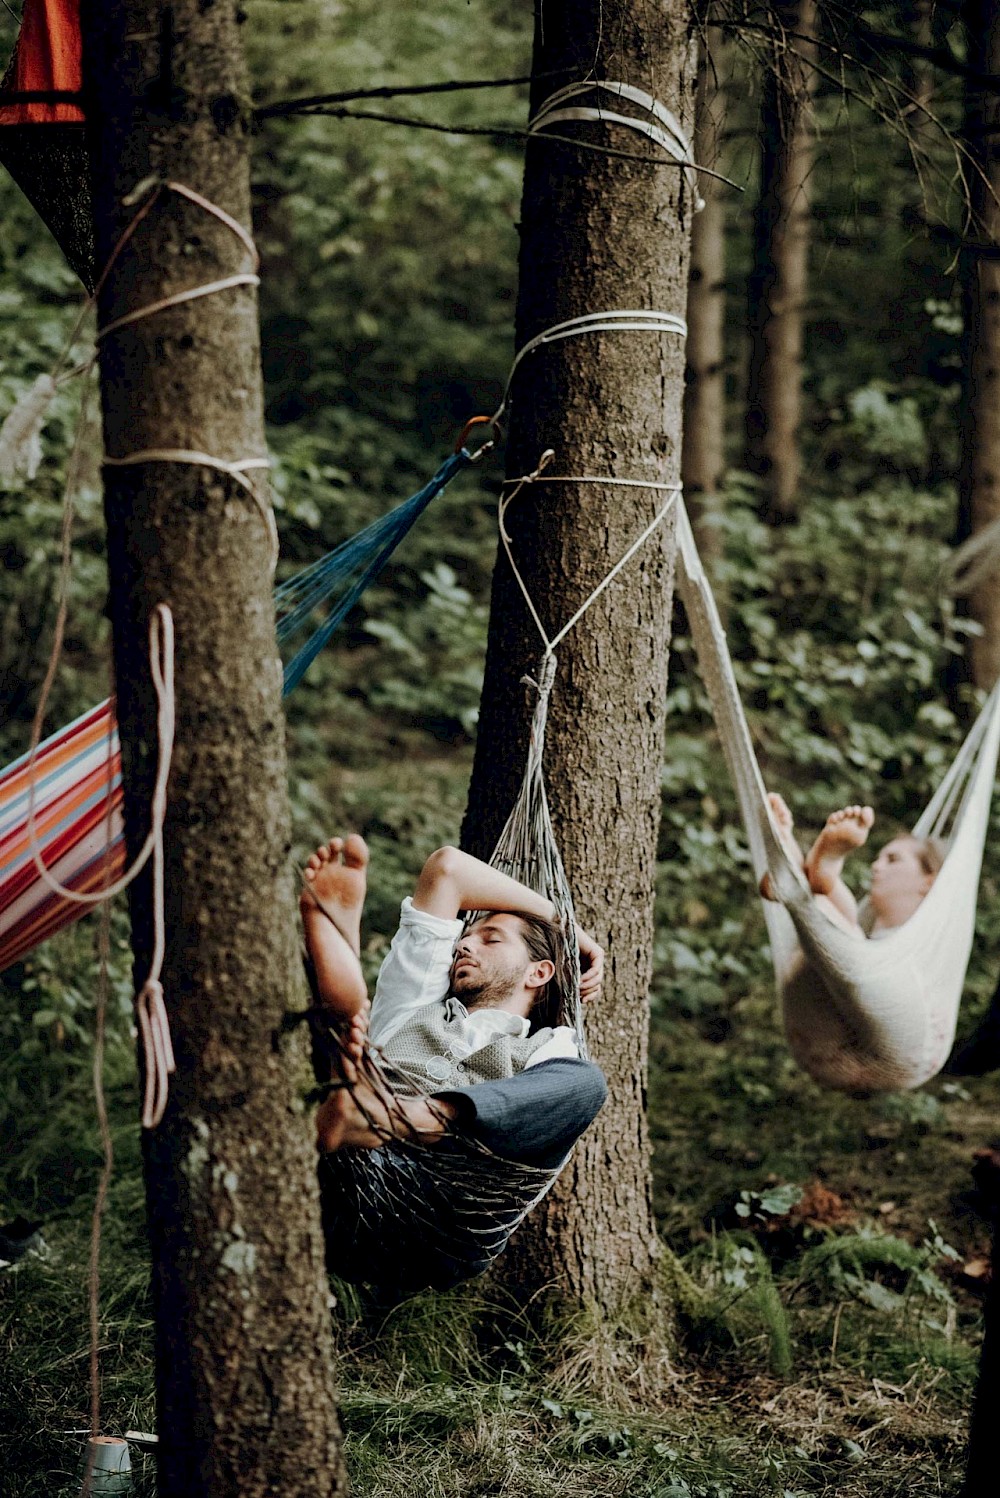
599, 233
244, 1357
779, 280
703, 454
979, 473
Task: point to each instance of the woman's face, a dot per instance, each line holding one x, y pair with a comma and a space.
898, 871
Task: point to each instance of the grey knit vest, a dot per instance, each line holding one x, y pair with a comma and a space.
427, 1054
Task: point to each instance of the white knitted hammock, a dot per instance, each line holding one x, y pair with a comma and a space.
860, 1016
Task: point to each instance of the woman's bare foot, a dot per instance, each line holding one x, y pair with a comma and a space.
363, 1114
336, 880
845, 831
784, 825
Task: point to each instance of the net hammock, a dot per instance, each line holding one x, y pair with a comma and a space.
860, 1015
77, 771
405, 1217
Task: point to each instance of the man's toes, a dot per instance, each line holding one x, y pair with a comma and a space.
334, 848
355, 851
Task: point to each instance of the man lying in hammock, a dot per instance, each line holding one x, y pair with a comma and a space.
901, 875
431, 1158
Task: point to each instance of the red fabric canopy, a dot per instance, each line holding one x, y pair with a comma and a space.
47, 57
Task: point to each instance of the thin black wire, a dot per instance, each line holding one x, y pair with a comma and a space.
284, 108
511, 132
308, 105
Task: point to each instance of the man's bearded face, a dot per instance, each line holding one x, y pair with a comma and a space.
491, 961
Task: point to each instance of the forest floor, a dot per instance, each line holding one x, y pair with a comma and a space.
835, 1241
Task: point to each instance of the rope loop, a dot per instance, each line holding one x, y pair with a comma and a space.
626, 320
667, 131
157, 1050
238, 468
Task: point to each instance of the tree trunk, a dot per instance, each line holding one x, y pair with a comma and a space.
979, 473
599, 233
981, 1471
703, 454
922, 76
778, 280
244, 1357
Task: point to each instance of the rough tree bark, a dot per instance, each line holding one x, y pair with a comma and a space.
703, 452
979, 472
598, 233
244, 1358
778, 280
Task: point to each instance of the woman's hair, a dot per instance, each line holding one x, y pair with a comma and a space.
931, 852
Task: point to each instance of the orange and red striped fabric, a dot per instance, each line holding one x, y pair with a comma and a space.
78, 788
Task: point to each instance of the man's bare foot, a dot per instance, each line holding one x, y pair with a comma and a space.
784, 825
363, 1114
336, 879
845, 831
331, 905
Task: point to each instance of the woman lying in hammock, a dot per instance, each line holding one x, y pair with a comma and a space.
876, 1021
900, 876
456, 1100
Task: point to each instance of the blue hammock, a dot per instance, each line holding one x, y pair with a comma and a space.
344, 573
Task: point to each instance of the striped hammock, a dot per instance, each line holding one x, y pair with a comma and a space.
79, 825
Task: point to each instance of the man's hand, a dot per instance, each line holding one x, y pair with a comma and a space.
591, 965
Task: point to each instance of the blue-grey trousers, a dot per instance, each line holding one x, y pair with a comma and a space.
537, 1116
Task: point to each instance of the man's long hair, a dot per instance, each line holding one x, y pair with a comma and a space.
542, 938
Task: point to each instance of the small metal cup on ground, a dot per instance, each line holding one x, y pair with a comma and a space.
109, 1468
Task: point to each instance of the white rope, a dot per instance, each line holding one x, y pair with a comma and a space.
151, 1013
668, 134
241, 278
236, 470
161, 656
972, 562
634, 320
539, 476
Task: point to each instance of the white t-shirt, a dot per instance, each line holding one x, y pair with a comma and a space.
417, 972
